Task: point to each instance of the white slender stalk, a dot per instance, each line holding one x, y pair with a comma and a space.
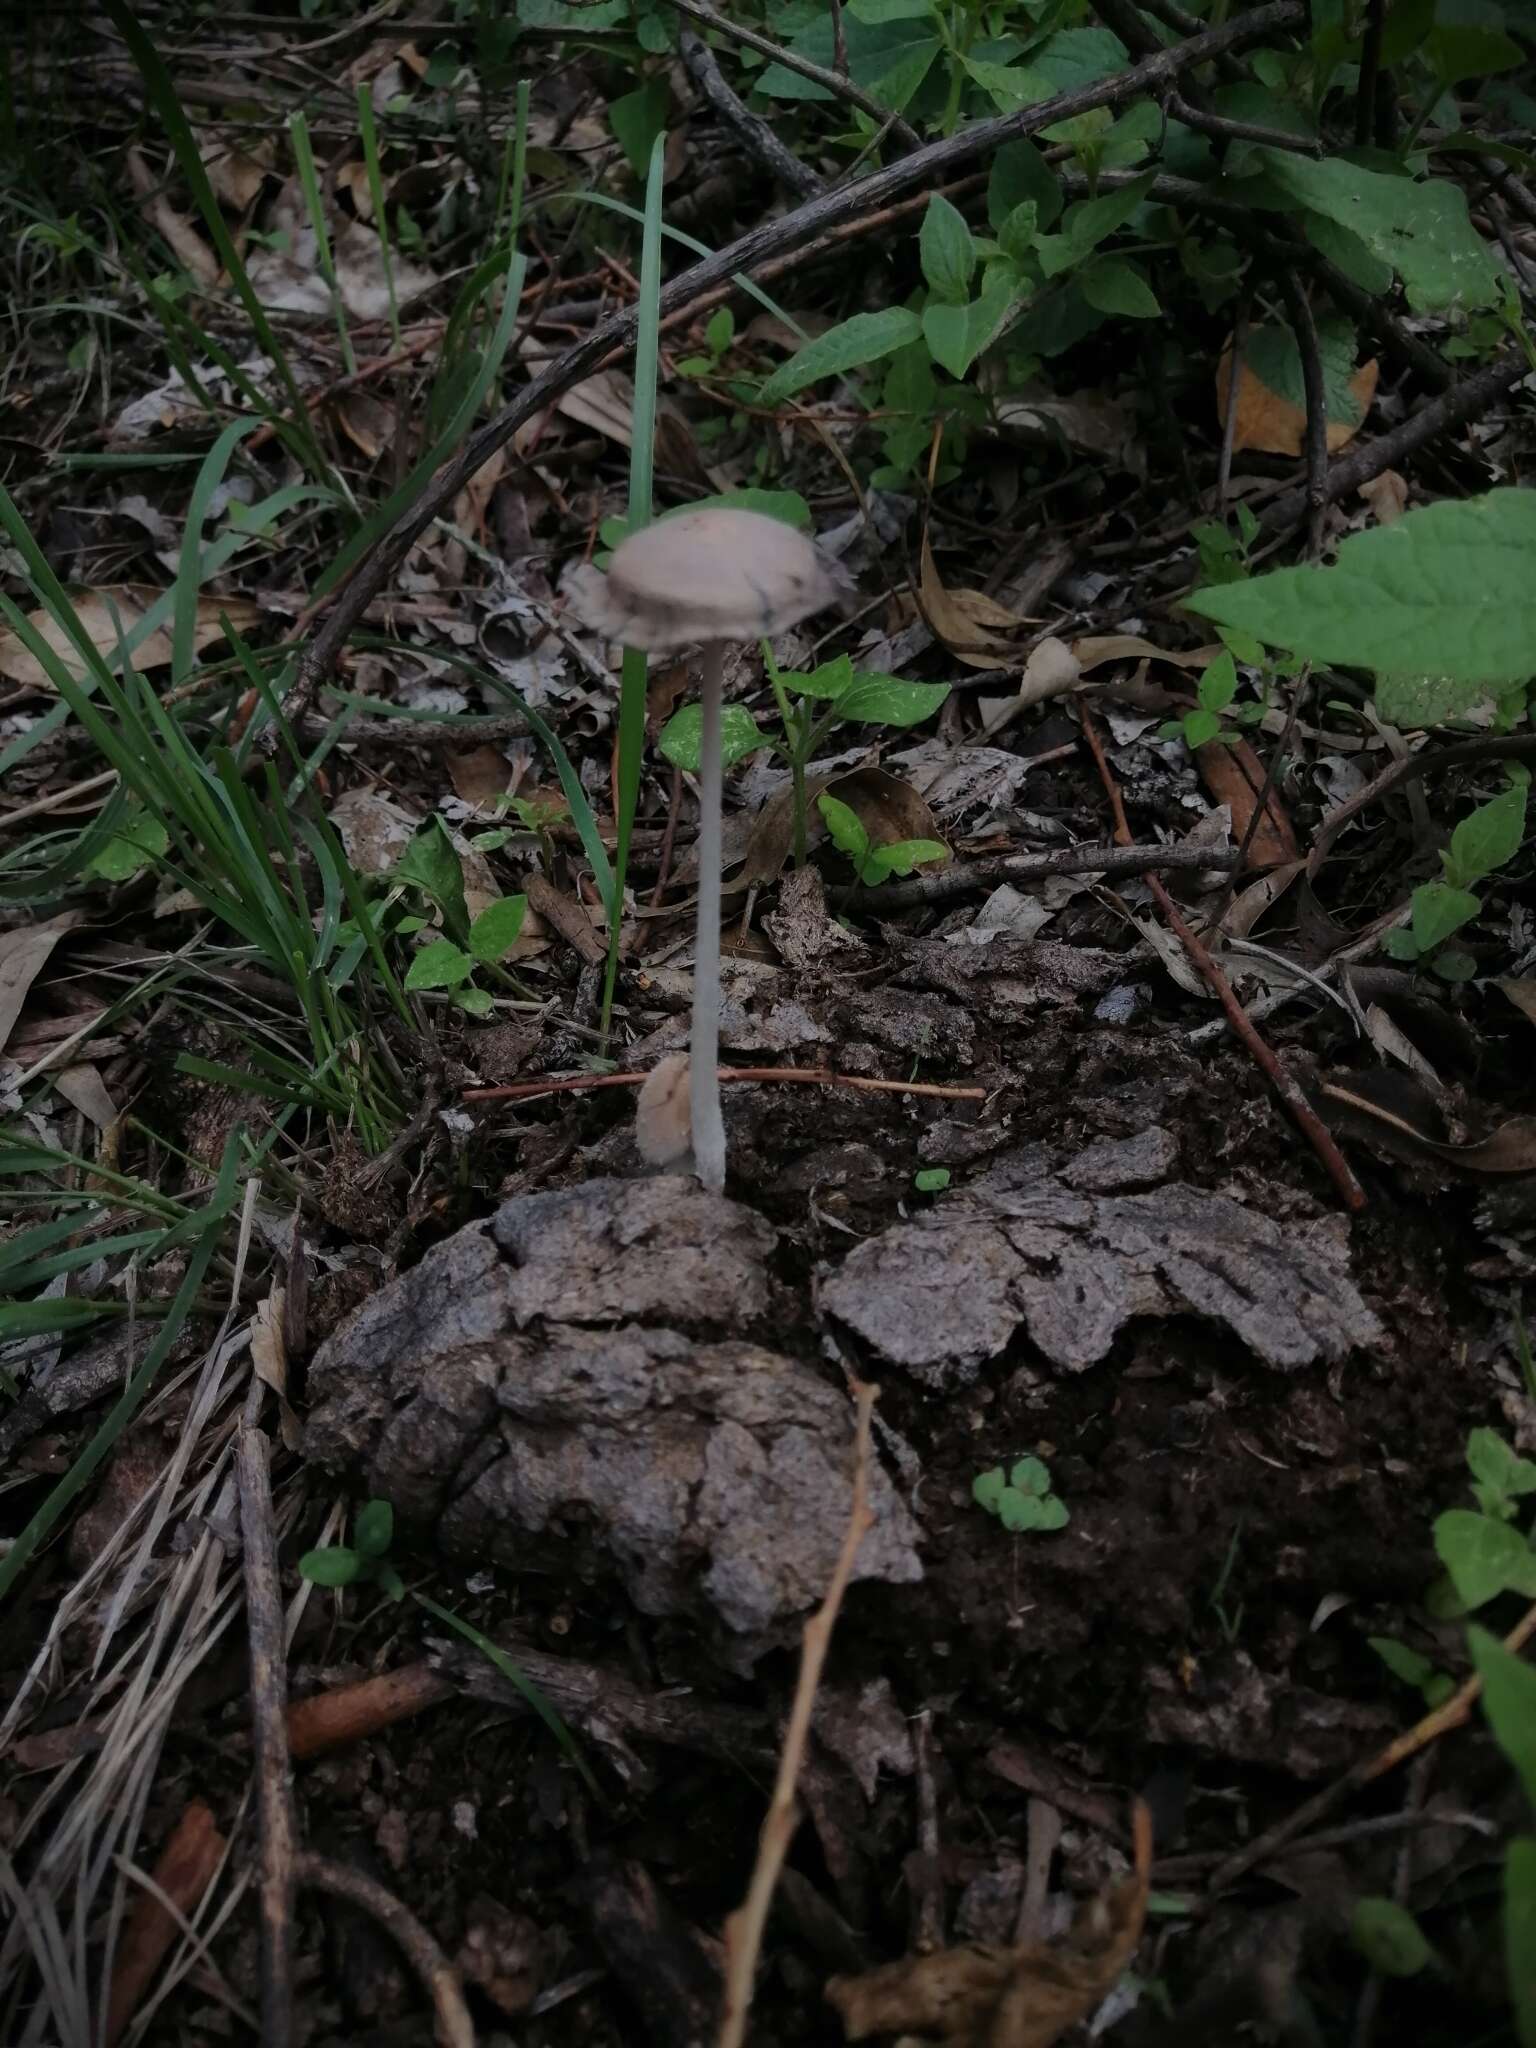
704, 1049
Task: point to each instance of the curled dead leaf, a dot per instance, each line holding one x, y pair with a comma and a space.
1510, 1149
107, 615
1387, 496
1097, 648
973, 626
368, 422
1234, 775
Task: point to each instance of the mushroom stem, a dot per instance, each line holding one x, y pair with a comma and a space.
704, 1049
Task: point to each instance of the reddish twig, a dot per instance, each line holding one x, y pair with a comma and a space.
183, 1871
351, 1712
1318, 1136
580, 1084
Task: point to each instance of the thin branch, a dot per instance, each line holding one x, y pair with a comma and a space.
757, 134
771, 239
269, 1717
824, 1077
1316, 1131
1225, 129
744, 1929
960, 877
838, 84
1305, 329
455, 2029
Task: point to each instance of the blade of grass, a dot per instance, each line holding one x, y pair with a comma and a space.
371, 165
304, 159
642, 453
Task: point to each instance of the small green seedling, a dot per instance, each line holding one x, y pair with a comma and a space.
1224, 554
1485, 1552
1389, 1938
537, 814
366, 1561
809, 707
1024, 1500
719, 333
1434, 1687
932, 1180
1486, 840
873, 864
432, 870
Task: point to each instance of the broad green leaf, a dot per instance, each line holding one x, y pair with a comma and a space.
440, 965
682, 733
933, 1180
1401, 1661
1492, 835
901, 857
987, 1488
910, 385
334, 1566
1218, 684
1016, 235
1009, 85
883, 700
1447, 591
1389, 1938
872, 11
866, 338
1520, 1934
876, 50
1115, 286
474, 1002
957, 335
1422, 229
1088, 223
1273, 357
1484, 1557
1509, 1701
374, 1529
139, 840
830, 680
845, 826
946, 250
1439, 910
1031, 1475
431, 863
1020, 1511
1200, 728
1497, 1466
947, 331
1458, 50
496, 930
1077, 56
1053, 1512
720, 330
1345, 248
1410, 702
1019, 173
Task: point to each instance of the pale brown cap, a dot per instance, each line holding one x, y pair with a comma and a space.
715, 574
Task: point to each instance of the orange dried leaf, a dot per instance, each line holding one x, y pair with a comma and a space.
1273, 424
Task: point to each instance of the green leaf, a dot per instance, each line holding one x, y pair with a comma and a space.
1490, 836
890, 10
389, 1582
1439, 910
1088, 223
431, 862
1009, 85
1020, 175
1274, 358
1020, 1511
831, 680
374, 1529
1509, 1701
638, 118
720, 330
1422, 228
1453, 965
1031, 1475
1484, 1557
682, 734
1389, 1938
884, 700
1410, 702
496, 930
945, 248
933, 1180
848, 834
957, 335
1218, 685
474, 1002
1346, 249
1464, 49
866, 338
140, 840
1200, 728
440, 965
987, 1488
1498, 1467
1053, 1513
901, 857
1016, 236
1114, 286
1401, 1661
1520, 1934
334, 1566
1446, 590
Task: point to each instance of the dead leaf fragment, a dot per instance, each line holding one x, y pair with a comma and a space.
174, 228
1024, 1997
1271, 423
1387, 496
1234, 775
1097, 648
107, 614
1521, 990
368, 422
663, 1120
971, 625
1510, 1149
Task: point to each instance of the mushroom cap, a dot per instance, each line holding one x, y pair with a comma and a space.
715, 574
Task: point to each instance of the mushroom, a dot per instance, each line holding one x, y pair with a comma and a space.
710, 576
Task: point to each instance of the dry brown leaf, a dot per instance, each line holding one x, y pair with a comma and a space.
1025, 1997
1234, 775
1387, 496
1521, 990
469, 506
173, 228
1270, 423
269, 1361
1098, 648
1083, 419
1250, 904
105, 614
23, 955
83, 1088
1511, 1149
235, 174
970, 624
368, 422
480, 775
889, 809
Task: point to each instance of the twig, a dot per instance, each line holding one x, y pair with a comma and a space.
455, 2029
183, 1872
771, 239
926, 1881
327, 1719
1513, 747
1234, 380
1465, 401
269, 1717
837, 83
960, 877
566, 915
839, 39
1306, 1117
1227, 130
580, 1084
756, 133
744, 1929
1370, 65
1305, 329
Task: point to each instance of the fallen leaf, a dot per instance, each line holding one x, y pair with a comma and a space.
369, 423
269, 1361
83, 1088
374, 831
1387, 496
1234, 775
1024, 1997
23, 955
174, 228
889, 809
1274, 421
1521, 990
469, 506
480, 775
1101, 647
1511, 1149
1250, 904
1395, 1044
1083, 419
970, 624
107, 614
236, 174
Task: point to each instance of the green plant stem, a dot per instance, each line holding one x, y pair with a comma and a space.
376, 196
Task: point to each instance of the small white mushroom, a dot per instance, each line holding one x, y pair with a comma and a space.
709, 576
